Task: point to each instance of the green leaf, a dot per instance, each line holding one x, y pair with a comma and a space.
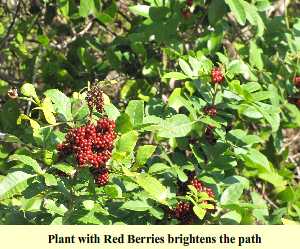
257, 160
123, 123
63, 6
175, 76
232, 194
238, 10
66, 168
136, 205
127, 141
27, 161
112, 112
14, 183
274, 178
200, 212
86, 7
62, 103
231, 218
32, 204
153, 187
50, 179
142, 10
144, 153
53, 208
48, 111
253, 17
158, 168
180, 173
216, 10
28, 90
135, 111
177, 126
185, 67
255, 56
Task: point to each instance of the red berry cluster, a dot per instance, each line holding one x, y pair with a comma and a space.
90, 144
101, 176
210, 110
186, 12
95, 98
217, 76
183, 210
201, 188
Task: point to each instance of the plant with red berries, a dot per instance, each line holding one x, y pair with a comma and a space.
217, 76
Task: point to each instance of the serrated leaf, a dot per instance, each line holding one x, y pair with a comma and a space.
14, 183
27, 161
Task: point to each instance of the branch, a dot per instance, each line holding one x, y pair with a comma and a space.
75, 36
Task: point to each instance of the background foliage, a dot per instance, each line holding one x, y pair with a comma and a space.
155, 57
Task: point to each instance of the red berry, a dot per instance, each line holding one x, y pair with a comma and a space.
189, 2
217, 76
197, 184
298, 103
297, 81
210, 111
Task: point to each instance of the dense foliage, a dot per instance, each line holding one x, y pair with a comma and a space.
149, 112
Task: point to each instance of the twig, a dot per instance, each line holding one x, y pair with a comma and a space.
10, 26
73, 38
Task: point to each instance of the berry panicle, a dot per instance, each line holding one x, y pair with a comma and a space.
90, 144
217, 76
210, 110
95, 98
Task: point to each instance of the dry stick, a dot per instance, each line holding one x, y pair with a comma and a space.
290, 142
11, 25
